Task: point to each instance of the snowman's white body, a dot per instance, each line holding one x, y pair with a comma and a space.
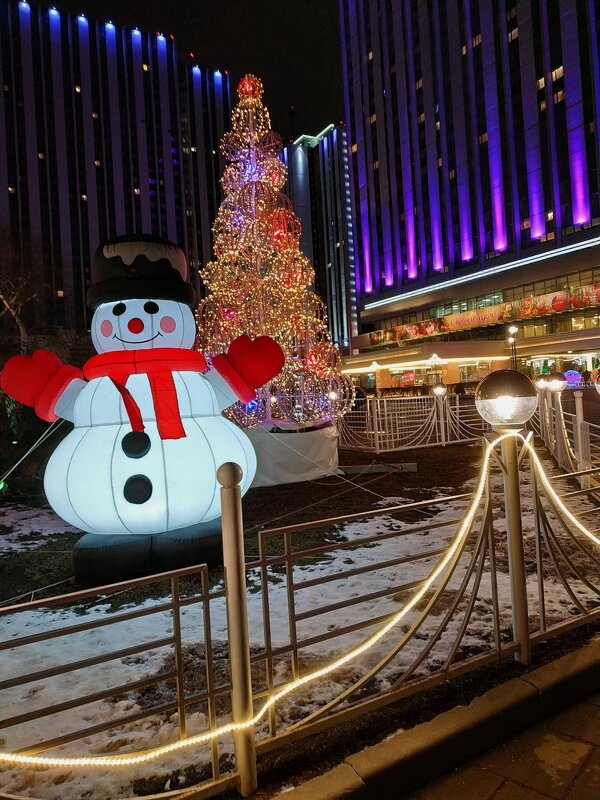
87, 472
86, 475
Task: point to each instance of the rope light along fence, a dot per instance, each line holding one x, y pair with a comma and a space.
436, 608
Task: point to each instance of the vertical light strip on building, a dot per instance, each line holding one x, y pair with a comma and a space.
167, 190
427, 77
573, 100
199, 152
89, 191
549, 118
531, 128
494, 143
29, 114
140, 129
460, 133
118, 199
595, 58
62, 163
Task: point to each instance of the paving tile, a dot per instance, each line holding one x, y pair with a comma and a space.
539, 759
463, 783
581, 721
587, 784
512, 791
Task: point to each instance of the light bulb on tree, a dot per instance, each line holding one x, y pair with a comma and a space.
506, 398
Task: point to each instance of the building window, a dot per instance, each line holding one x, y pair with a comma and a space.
354, 148
511, 13
559, 96
137, 191
476, 40
440, 162
421, 118
592, 126
464, 50
145, 67
540, 83
525, 224
60, 293
376, 165
97, 163
94, 115
373, 118
41, 156
513, 34
542, 105
550, 214
370, 55
557, 73
84, 198
483, 137
419, 84
78, 89
438, 125
451, 174
12, 189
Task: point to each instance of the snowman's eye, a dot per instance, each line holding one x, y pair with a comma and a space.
119, 309
150, 307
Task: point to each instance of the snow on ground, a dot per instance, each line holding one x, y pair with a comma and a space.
378, 576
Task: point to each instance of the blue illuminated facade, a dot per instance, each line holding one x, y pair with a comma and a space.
104, 131
474, 144
318, 185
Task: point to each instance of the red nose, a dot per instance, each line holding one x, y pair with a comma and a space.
135, 325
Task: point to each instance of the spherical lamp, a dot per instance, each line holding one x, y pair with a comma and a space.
541, 382
506, 398
439, 389
556, 382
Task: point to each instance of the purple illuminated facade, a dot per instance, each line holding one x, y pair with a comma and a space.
473, 137
103, 131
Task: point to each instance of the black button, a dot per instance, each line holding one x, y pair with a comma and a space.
135, 444
137, 489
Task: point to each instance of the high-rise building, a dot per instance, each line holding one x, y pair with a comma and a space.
103, 131
475, 154
318, 185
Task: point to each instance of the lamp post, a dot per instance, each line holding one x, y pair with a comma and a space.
512, 340
541, 384
439, 392
506, 399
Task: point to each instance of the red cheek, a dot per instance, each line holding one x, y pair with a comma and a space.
106, 328
168, 324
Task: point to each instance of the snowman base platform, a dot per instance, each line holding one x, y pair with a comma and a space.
102, 559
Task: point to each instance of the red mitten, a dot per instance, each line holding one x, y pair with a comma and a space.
249, 364
38, 381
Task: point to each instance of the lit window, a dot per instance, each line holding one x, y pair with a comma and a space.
145, 67
558, 97
513, 34
592, 126
193, 149
451, 174
373, 117
464, 50
78, 89
542, 105
440, 162
12, 189
41, 156
137, 191
483, 137
370, 55
84, 198
419, 84
438, 125
94, 115
60, 293
540, 83
476, 40
97, 163
557, 73
525, 224
421, 118
6, 87
550, 214
376, 165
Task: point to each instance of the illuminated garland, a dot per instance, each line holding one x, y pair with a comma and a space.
259, 278
149, 755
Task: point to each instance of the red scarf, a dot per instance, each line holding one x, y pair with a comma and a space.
158, 364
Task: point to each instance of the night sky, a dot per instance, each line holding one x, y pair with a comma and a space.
294, 47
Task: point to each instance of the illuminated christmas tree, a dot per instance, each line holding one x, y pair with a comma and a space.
259, 279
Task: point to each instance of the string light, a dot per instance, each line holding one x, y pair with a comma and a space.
132, 759
259, 278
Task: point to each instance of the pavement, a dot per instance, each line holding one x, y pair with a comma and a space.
533, 737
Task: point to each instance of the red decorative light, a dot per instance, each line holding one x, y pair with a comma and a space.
250, 86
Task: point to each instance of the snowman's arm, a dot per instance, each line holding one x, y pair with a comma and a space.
224, 393
65, 405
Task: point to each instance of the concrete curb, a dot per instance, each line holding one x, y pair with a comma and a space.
412, 758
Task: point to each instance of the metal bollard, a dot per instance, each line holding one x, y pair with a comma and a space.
229, 476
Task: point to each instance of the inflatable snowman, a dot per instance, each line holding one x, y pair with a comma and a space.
148, 432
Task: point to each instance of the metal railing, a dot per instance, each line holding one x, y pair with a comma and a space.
384, 609
401, 423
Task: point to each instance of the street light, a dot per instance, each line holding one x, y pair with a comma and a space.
556, 382
506, 398
512, 340
440, 389
541, 383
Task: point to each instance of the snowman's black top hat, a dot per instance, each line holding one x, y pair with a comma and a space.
139, 266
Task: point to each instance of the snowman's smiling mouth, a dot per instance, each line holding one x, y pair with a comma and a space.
138, 341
